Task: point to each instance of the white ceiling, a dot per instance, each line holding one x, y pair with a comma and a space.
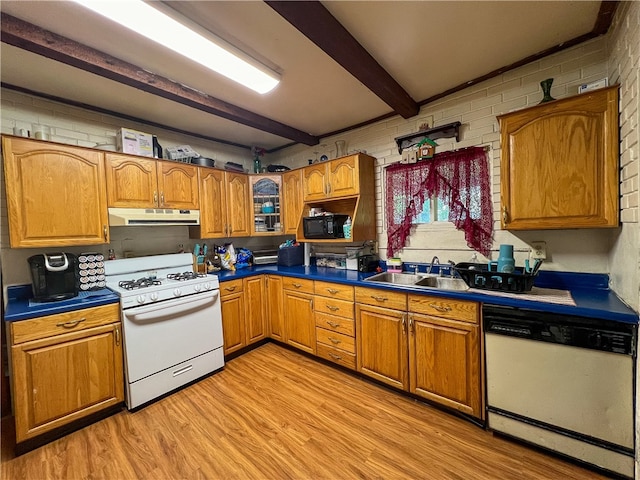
427, 47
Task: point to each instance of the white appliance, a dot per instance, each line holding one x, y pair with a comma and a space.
152, 216
171, 323
563, 383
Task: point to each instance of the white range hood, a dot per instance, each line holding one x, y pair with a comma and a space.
152, 216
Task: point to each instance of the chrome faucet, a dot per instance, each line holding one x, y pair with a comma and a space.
452, 265
430, 267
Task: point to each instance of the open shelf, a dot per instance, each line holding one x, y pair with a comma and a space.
443, 131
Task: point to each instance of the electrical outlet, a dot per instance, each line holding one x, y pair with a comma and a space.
538, 251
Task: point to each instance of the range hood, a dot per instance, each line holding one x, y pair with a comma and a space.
152, 216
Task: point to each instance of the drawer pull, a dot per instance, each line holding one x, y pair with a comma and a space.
71, 324
332, 308
297, 285
230, 289
440, 308
335, 341
379, 299
333, 324
332, 291
335, 357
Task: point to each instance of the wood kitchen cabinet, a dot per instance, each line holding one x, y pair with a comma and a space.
291, 200
242, 304
275, 308
334, 179
224, 205
333, 310
65, 367
56, 194
138, 182
299, 324
559, 163
255, 308
445, 352
266, 189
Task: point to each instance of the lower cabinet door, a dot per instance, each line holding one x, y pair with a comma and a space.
275, 312
445, 363
255, 309
233, 329
381, 345
299, 323
66, 377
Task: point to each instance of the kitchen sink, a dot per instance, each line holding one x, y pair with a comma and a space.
424, 281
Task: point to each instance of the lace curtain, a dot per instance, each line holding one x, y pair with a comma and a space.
461, 178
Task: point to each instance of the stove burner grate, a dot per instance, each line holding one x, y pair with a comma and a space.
185, 276
139, 283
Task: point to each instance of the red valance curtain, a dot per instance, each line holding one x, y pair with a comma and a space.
461, 177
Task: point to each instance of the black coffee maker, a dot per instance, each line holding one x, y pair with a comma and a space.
54, 276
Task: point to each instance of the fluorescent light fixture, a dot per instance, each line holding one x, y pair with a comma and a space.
142, 18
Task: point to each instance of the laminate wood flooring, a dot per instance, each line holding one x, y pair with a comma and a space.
275, 414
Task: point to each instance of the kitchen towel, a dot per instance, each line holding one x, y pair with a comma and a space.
549, 295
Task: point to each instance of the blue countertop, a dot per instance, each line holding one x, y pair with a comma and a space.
590, 292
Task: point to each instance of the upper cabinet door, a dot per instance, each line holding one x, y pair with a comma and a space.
314, 182
292, 200
213, 205
178, 185
266, 200
343, 177
56, 194
560, 163
131, 182
238, 215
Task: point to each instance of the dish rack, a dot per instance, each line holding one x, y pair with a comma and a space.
477, 275
181, 153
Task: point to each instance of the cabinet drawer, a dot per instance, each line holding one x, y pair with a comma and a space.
443, 307
333, 290
336, 340
230, 287
41, 327
297, 285
339, 308
381, 298
336, 355
336, 324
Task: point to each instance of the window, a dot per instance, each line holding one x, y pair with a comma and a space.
451, 187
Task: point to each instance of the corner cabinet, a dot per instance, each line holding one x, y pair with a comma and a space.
342, 186
56, 194
65, 367
560, 163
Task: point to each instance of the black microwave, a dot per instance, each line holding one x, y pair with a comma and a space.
324, 226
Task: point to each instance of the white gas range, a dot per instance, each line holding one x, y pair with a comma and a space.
171, 323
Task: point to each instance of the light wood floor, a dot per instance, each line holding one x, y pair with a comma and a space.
275, 414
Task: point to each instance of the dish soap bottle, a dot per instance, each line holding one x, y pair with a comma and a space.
346, 228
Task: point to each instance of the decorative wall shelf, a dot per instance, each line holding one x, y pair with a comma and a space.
443, 131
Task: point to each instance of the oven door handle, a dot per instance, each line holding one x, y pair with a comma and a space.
190, 301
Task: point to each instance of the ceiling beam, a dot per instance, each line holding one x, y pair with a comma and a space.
37, 40
313, 20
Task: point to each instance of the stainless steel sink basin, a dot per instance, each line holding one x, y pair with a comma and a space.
443, 283
428, 281
395, 278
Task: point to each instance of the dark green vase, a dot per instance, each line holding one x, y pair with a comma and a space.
546, 90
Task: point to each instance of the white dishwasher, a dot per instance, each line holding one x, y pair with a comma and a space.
564, 383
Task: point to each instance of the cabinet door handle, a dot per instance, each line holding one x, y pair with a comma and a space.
440, 308
379, 299
162, 199
335, 341
117, 336
70, 324
328, 188
411, 324
505, 215
404, 323
335, 357
155, 197
333, 324
332, 308
311, 303
230, 289
104, 232
332, 291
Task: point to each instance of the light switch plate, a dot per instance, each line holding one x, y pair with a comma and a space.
538, 250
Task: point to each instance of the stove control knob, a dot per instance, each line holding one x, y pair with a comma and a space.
177, 292
140, 299
154, 297
207, 286
197, 288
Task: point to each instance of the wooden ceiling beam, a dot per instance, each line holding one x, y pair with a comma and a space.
37, 40
314, 21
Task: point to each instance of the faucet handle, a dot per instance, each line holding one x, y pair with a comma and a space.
452, 265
